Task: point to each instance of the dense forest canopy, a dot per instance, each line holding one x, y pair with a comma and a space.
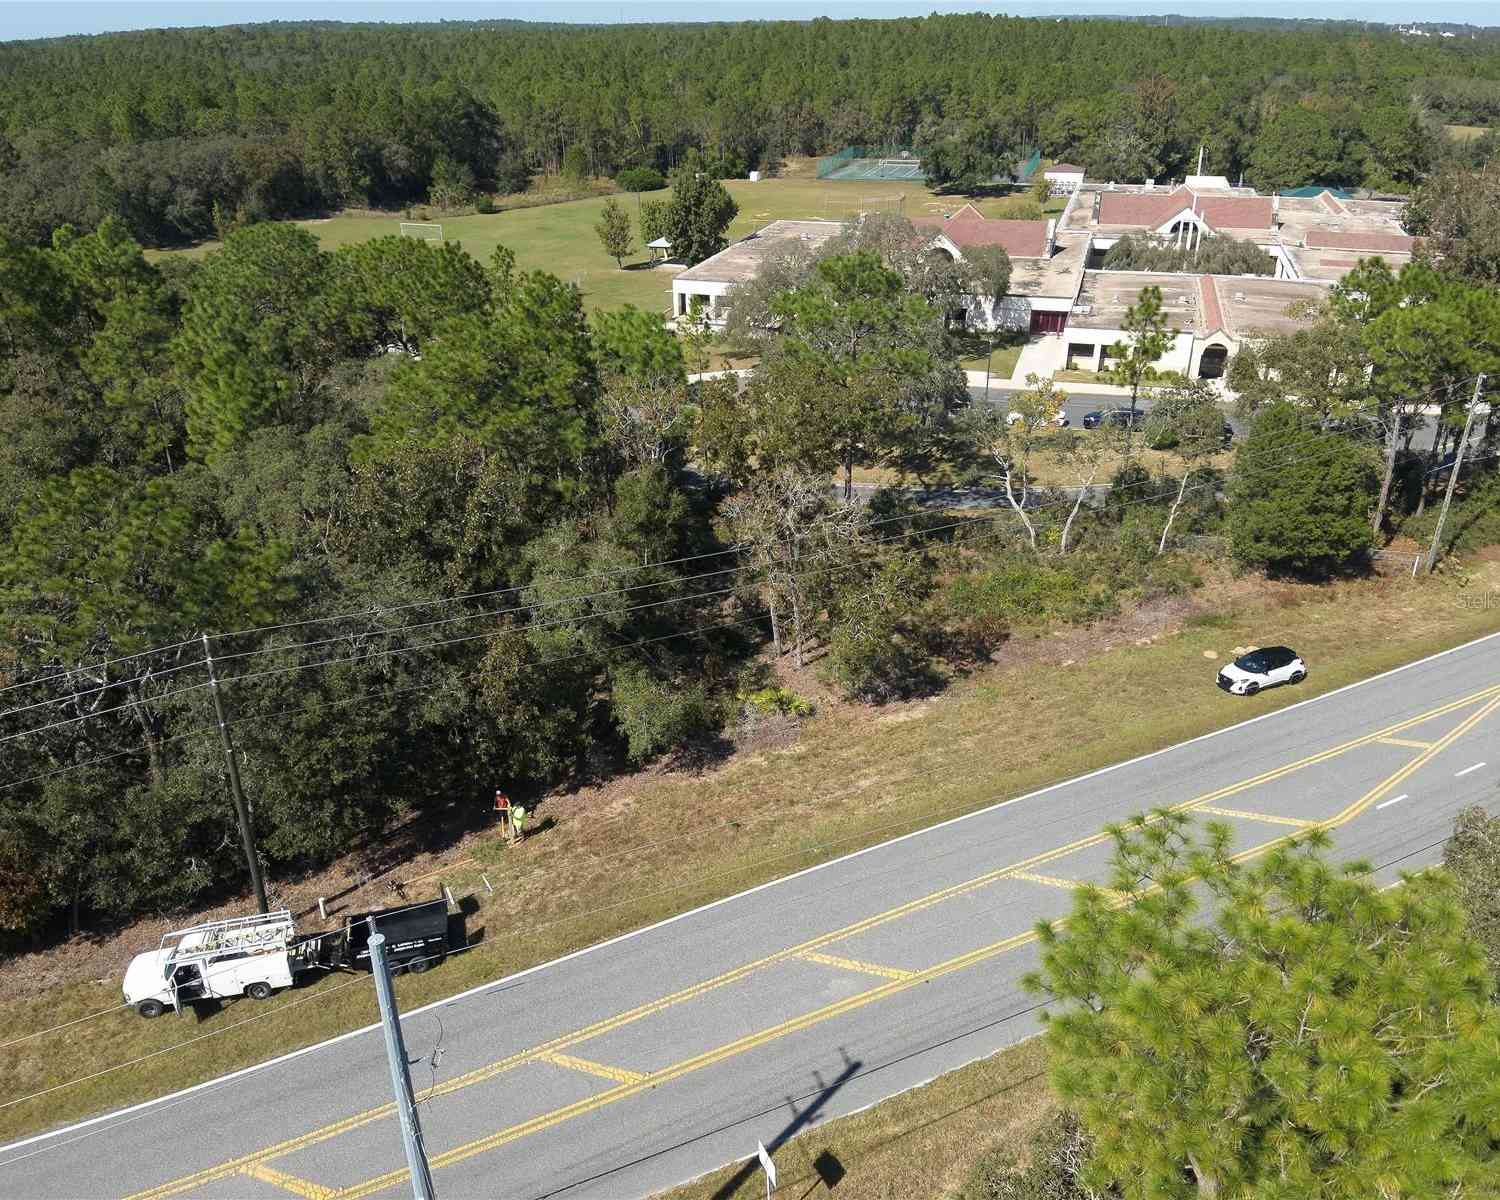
269, 120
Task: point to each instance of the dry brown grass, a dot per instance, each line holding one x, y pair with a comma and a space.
918, 1144
646, 846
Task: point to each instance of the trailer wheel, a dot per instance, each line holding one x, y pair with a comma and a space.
417, 965
259, 990
150, 1008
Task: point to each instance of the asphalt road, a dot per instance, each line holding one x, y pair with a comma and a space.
664, 1054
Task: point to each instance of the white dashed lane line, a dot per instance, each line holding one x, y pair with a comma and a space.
1393, 800
1469, 770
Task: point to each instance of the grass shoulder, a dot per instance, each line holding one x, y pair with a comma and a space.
641, 848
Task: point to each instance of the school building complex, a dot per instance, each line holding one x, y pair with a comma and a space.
1060, 290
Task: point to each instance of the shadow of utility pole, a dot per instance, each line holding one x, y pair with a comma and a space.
828, 1168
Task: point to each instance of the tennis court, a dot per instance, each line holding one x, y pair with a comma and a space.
854, 164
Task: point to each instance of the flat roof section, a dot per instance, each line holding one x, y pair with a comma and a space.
1107, 294
1057, 277
739, 262
1258, 306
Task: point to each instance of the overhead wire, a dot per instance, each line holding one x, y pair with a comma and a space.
578, 620
440, 601
326, 992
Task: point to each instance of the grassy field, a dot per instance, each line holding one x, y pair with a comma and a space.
647, 846
918, 1144
1466, 133
560, 238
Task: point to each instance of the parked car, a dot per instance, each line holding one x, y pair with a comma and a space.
1059, 419
1118, 418
1262, 668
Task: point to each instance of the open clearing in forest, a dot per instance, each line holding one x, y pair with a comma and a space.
560, 238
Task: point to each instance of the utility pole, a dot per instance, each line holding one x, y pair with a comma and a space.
1458, 462
395, 1052
236, 792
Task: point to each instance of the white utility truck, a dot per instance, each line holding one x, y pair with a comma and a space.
244, 956
253, 956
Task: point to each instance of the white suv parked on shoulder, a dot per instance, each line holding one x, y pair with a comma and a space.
1262, 668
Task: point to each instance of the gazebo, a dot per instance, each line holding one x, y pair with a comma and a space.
659, 249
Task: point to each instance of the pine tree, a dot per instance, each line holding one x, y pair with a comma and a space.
698, 213
1310, 1037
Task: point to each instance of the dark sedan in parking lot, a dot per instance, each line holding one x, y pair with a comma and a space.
1118, 418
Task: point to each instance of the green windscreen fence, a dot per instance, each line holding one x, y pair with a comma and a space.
833, 162
1026, 168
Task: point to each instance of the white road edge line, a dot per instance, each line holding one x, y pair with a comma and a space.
1468, 770
1393, 800
634, 933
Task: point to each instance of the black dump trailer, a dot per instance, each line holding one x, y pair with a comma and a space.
416, 936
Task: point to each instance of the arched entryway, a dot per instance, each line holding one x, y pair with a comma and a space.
1213, 362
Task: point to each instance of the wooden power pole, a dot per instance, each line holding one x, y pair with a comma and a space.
236, 792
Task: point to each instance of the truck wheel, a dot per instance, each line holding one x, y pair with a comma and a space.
150, 1008
259, 990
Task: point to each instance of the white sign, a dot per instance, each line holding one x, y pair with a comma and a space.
766, 1163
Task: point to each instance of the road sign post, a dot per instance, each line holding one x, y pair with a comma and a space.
767, 1166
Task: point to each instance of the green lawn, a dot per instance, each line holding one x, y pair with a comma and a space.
560, 238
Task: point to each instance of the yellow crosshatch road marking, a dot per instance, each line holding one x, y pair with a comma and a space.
854, 964
618, 1074
242, 1164
1405, 742
1254, 816
298, 1187
1067, 884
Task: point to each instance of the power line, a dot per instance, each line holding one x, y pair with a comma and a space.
317, 996
440, 601
536, 606
584, 618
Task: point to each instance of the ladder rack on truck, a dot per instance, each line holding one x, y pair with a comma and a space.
256, 955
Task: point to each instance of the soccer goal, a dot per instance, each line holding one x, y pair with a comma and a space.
418, 229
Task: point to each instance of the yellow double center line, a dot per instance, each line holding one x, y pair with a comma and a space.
551, 1051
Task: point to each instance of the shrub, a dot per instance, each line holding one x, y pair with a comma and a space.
512, 175
484, 206
875, 668
1055, 1154
640, 179
575, 162
775, 701
1472, 854
656, 715
1299, 499
1030, 592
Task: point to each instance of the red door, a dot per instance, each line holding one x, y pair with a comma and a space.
1048, 322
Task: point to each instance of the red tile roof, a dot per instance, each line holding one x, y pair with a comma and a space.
966, 227
1236, 212
1210, 313
1149, 210
1356, 239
